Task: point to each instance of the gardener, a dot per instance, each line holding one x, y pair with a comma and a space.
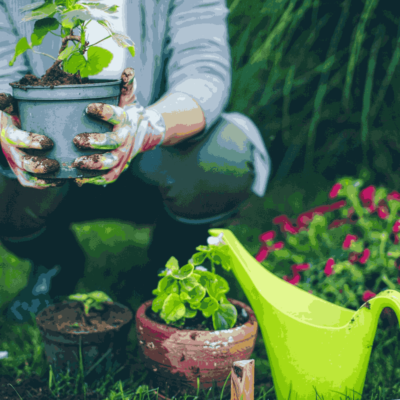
191, 166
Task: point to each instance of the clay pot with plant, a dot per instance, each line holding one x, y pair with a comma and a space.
88, 334
55, 105
191, 333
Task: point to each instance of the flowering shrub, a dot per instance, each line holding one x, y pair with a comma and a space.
345, 252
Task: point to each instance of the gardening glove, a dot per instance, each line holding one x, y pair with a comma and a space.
136, 130
13, 139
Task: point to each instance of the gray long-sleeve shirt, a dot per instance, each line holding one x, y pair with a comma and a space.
181, 46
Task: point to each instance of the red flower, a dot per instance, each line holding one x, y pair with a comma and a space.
321, 209
262, 254
296, 276
335, 190
288, 227
337, 205
394, 196
353, 257
348, 240
328, 267
265, 250
367, 198
294, 281
267, 236
365, 255
285, 224
304, 219
280, 219
383, 210
337, 223
396, 227
368, 295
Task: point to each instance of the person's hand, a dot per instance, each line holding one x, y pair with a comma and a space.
12, 139
125, 141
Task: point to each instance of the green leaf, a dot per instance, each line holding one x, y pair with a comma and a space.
21, 47
172, 264
189, 313
184, 296
218, 287
99, 296
67, 52
168, 285
78, 297
132, 50
158, 302
173, 308
184, 272
74, 63
44, 11
42, 28
209, 306
198, 258
97, 59
189, 283
196, 295
225, 317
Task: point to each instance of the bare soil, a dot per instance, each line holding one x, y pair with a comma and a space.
54, 76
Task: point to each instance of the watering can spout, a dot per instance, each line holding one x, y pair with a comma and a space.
312, 345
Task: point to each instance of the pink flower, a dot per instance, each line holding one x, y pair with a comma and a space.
267, 236
280, 219
262, 254
321, 209
365, 255
348, 240
335, 190
294, 281
353, 257
396, 226
337, 205
383, 210
265, 250
328, 267
305, 218
337, 223
394, 196
288, 227
368, 295
367, 196
300, 267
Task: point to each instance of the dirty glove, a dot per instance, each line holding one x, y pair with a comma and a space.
136, 130
13, 139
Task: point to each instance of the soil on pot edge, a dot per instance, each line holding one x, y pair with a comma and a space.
54, 76
199, 323
66, 314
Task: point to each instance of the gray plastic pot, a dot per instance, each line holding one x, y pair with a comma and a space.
59, 113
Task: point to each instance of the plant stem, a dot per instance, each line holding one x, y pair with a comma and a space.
102, 40
44, 54
55, 34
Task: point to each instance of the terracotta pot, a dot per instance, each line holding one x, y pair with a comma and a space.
179, 356
104, 341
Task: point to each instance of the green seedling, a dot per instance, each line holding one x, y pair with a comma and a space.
62, 18
183, 292
93, 299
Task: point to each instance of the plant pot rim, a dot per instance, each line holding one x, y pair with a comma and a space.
97, 82
168, 329
49, 329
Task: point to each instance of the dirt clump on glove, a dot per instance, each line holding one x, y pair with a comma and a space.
8, 104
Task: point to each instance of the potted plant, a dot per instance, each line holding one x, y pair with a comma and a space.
345, 252
191, 333
55, 104
91, 329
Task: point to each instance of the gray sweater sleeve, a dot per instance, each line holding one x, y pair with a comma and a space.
199, 54
8, 40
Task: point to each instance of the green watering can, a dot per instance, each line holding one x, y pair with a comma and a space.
313, 346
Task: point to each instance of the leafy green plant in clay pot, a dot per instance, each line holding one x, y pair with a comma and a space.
191, 333
55, 105
89, 326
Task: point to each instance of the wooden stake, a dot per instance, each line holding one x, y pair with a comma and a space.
242, 380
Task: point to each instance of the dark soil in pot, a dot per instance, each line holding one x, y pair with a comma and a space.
54, 76
102, 335
200, 323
